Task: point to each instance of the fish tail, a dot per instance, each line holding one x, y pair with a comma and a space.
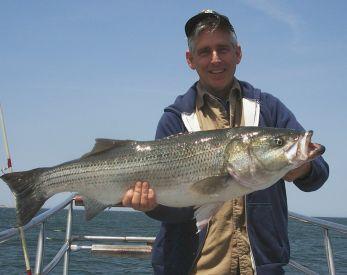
28, 198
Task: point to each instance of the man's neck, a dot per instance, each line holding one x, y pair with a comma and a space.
222, 94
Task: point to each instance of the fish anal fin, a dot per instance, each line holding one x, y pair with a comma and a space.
205, 212
211, 185
93, 207
102, 145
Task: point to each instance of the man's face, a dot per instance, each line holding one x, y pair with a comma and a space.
215, 59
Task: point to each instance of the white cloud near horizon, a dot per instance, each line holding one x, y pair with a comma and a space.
279, 12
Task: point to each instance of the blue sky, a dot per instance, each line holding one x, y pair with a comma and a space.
72, 71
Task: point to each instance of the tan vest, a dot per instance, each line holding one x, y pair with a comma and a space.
226, 249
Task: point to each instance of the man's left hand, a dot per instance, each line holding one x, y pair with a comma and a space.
141, 197
299, 172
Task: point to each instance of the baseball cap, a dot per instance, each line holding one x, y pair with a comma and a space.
196, 19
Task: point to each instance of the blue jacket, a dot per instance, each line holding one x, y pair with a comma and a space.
177, 245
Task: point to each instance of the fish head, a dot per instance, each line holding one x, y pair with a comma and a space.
259, 158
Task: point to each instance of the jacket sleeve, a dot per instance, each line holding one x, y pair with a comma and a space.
170, 124
282, 117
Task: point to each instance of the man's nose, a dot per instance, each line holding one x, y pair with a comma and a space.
215, 57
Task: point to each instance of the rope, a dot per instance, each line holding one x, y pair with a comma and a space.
9, 167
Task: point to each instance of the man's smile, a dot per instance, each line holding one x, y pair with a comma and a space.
217, 71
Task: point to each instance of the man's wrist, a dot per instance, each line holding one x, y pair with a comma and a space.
306, 172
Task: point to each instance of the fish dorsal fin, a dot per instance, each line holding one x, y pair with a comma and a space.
103, 144
176, 135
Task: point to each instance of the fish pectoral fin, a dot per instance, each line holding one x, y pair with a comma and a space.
211, 185
205, 212
93, 207
103, 144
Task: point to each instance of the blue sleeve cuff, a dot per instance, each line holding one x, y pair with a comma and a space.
171, 214
316, 178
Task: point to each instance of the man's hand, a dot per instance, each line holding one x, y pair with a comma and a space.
141, 197
299, 172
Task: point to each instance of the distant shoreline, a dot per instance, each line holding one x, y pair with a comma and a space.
126, 209
81, 208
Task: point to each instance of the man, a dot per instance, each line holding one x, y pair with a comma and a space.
248, 235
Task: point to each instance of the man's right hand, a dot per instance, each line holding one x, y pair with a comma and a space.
141, 197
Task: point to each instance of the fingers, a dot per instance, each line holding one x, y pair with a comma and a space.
144, 195
127, 198
152, 201
289, 177
141, 197
136, 200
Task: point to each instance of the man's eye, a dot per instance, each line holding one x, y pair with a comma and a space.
204, 52
223, 50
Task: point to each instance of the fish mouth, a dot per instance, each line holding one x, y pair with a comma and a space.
304, 150
312, 150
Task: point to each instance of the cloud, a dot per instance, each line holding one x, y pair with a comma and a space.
279, 12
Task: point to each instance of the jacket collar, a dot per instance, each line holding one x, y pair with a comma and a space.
186, 103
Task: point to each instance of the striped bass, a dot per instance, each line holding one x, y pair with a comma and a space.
200, 169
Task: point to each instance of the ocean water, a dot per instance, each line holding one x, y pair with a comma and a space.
307, 245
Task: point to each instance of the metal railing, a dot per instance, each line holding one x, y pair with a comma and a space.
68, 246
326, 226
134, 250
41, 220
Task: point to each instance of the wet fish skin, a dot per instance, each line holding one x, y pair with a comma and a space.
190, 169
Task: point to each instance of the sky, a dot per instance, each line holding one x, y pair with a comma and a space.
73, 71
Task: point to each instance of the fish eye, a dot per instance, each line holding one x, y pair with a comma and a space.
279, 141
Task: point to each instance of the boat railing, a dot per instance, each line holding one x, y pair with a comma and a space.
68, 245
326, 226
41, 220
134, 250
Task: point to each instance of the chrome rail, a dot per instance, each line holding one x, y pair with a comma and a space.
13, 232
50, 266
319, 222
326, 226
40, 249
113, 238
41, 219
69, 244
68, 239
301, 268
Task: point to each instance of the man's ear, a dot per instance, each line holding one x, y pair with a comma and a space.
238, 53
189, 58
